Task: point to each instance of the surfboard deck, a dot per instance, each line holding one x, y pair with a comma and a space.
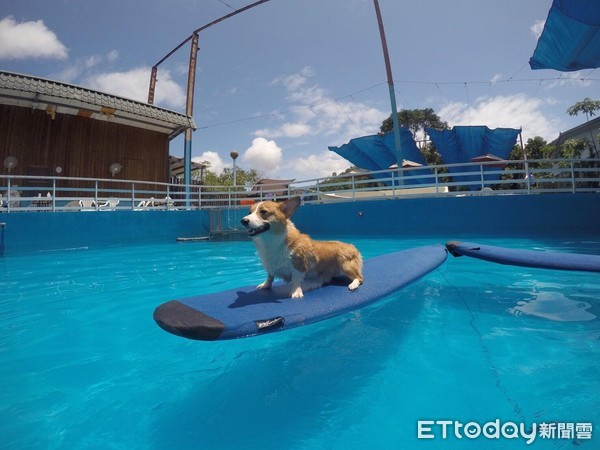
526, 258
247, 311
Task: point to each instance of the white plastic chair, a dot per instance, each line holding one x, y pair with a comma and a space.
87, 205
142, 206
109, 205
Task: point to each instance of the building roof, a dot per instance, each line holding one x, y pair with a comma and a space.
271, 187
57, 97
177, 165
579, 131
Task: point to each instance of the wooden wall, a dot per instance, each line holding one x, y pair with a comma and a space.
83, 147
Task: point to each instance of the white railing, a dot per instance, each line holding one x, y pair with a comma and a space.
33, 193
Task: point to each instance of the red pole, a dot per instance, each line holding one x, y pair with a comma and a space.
214, 22
152, 85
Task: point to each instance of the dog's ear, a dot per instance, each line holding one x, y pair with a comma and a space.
289, 206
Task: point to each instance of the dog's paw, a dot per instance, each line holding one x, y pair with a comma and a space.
354, 285
297, 293
265, 285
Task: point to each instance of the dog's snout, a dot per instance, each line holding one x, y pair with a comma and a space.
245, 221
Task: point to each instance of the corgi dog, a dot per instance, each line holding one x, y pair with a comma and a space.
293, 256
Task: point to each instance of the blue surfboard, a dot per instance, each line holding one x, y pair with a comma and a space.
526, 258
246, 311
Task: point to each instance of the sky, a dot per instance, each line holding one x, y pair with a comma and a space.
285, 80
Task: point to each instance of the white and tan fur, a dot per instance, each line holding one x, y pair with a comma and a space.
293, 256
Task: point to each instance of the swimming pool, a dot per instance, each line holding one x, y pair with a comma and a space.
84, 365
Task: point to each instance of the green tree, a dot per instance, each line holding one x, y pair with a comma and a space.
198, 174
243, 177
415, 120
431, 154
589, 107
343, 181
538, 148
573, 148
535, 148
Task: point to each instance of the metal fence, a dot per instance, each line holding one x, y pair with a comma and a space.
524, 177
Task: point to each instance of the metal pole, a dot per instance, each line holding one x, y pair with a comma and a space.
214, 22
522, 147
231, 14
190, 89
234, 175
390, 81
189, 111
234, 155
152, 87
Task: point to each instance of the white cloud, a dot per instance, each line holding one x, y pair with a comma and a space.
295, 130
95, 60
216, 163
134, 83
290, 130
295, 81
319, 166
113, 55
308, 95
576, 79
263, 155
314, 112
537, 28
92, 61
83, 67
128, 84
29, 40
69, 74
513, 111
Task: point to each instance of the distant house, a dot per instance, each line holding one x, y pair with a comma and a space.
270, 189
590, 131
52, 128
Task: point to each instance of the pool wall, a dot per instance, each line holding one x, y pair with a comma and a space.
40, 231
499, 215
552, 214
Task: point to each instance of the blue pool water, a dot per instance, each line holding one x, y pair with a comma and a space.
84, 366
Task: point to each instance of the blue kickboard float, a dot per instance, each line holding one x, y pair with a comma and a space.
526, 258
247, 311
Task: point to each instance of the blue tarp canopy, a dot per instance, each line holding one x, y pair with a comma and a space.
571, 37
462, 144
377, 152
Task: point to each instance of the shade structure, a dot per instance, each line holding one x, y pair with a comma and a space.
570, 39
462, 144
377, 152
177, 166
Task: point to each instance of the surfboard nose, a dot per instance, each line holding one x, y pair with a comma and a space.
184, 321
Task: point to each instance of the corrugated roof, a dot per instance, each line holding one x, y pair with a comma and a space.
577, 131
177, 165
40, 93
